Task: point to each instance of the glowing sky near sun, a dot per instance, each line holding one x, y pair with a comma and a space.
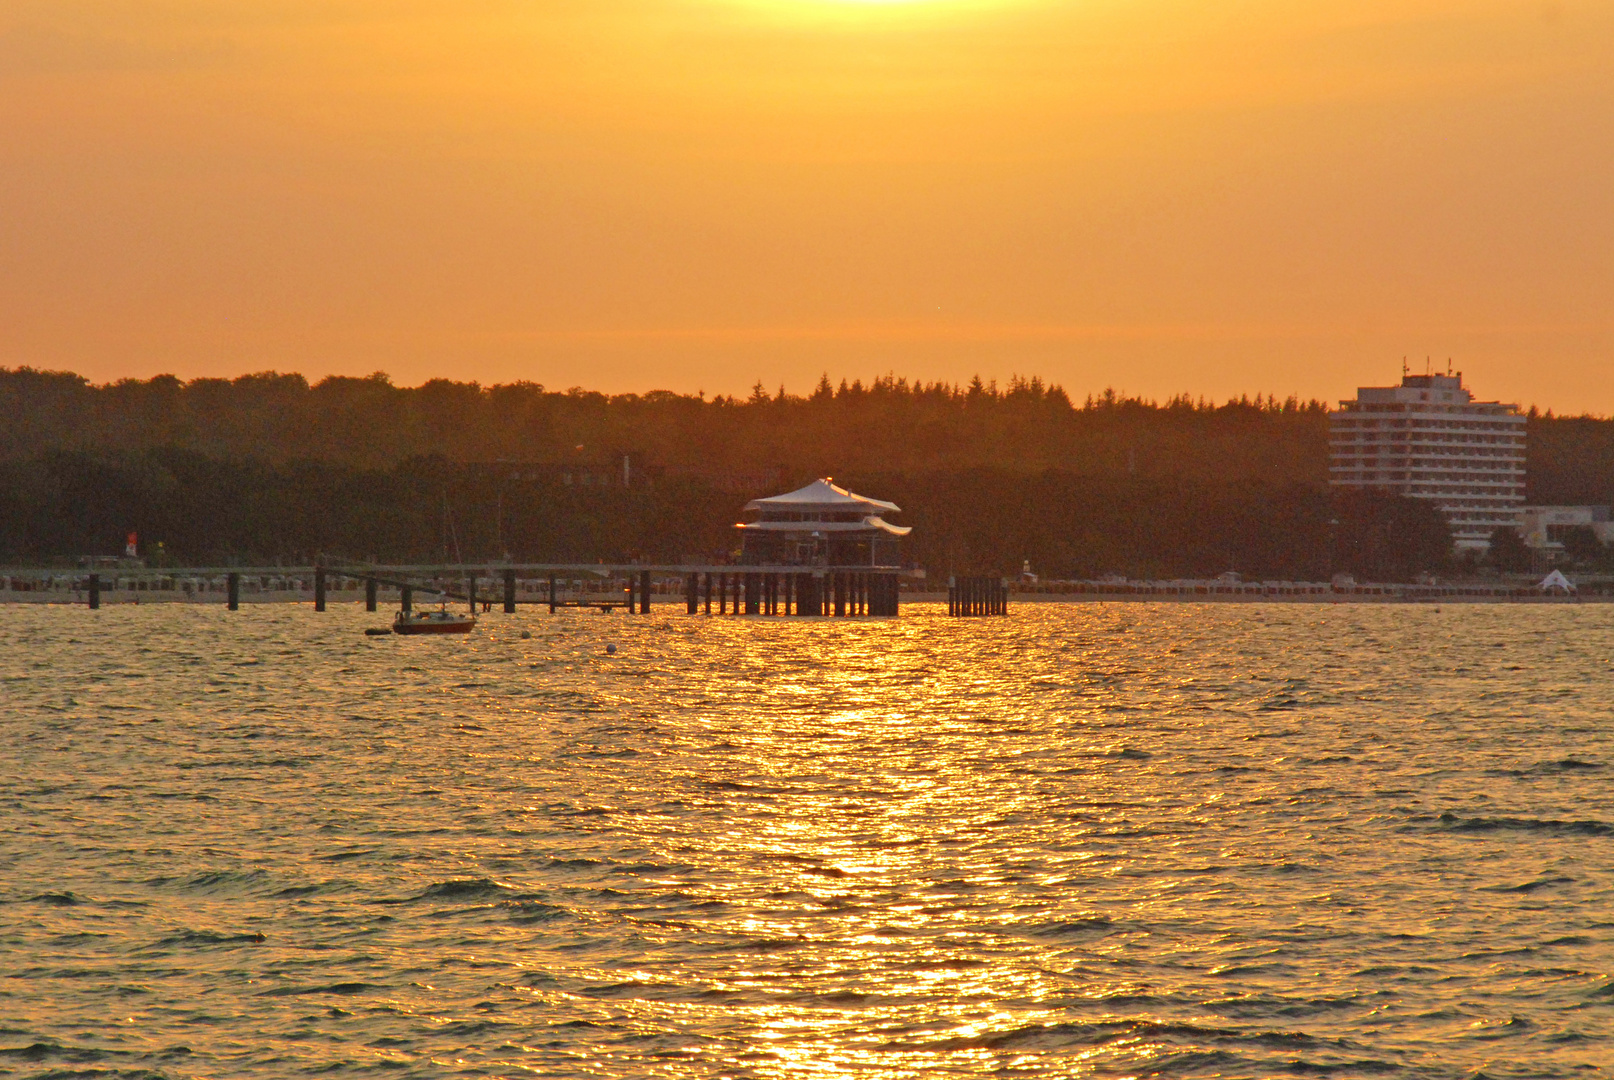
695, 194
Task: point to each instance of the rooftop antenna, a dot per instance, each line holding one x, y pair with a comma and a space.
1428, 365
1403, 367
1448, 365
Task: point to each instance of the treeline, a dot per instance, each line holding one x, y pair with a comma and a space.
270, 467
890, 424
194, 509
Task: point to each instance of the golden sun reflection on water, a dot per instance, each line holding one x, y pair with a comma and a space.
1085, 840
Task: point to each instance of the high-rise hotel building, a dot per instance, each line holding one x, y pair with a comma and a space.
1429, 439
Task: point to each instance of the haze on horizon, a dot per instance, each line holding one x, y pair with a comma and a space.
1156, 195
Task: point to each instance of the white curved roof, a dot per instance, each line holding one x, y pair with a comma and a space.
870, 522
821, 494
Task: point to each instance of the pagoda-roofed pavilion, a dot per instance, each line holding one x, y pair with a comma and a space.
821, 525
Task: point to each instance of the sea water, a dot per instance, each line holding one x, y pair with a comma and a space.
1083, 840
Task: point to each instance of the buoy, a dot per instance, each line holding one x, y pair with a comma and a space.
377, 631
525, 634
610, 650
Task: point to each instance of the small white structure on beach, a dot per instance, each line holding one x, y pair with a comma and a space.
1555, 582
821, 525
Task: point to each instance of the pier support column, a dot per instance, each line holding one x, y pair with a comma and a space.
319, 588
509, 592
95, 592
789, 585
838, 586
406, 599
552, 594
692, 594
644, 592
369, 594
470, 592
708, 592
232, 591
753, 594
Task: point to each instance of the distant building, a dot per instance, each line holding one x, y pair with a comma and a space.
821, 525
1429, 439
1543, 528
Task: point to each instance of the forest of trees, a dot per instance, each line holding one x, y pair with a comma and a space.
268, 467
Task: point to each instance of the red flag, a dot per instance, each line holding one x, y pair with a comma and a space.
132, 548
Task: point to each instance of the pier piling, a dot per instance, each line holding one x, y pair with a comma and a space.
644, 592
369, 594
232, 592
319, 588
95, 592
509, 592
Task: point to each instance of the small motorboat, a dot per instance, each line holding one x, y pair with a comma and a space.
432, 622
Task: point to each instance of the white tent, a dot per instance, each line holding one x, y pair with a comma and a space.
824, 496
1556, 582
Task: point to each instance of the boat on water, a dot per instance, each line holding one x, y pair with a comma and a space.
432, 622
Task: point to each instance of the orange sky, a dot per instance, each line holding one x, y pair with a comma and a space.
1163, 196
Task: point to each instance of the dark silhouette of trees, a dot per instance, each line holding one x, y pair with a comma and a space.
1508, 551
268, 466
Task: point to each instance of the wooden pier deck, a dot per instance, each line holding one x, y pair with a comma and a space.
703, 588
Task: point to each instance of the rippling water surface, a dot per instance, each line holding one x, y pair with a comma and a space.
1176, 840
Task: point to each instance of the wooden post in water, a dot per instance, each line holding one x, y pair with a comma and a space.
319, 588
470, 592
369, 594
789, 584
708, 592
406, 599
95, 592
232, 591
753, 594
692, 597
509, 592
644, 592
552, 594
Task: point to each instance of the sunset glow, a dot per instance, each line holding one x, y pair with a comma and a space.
700, 193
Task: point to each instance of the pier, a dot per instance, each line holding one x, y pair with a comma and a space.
703, 589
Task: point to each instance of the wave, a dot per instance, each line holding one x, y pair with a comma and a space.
1064, 928
463, 889
1529, 886
340, 988
1562, 766
1104, 1033
209, 937
1453, 823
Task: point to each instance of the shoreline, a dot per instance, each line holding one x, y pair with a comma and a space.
661, 601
